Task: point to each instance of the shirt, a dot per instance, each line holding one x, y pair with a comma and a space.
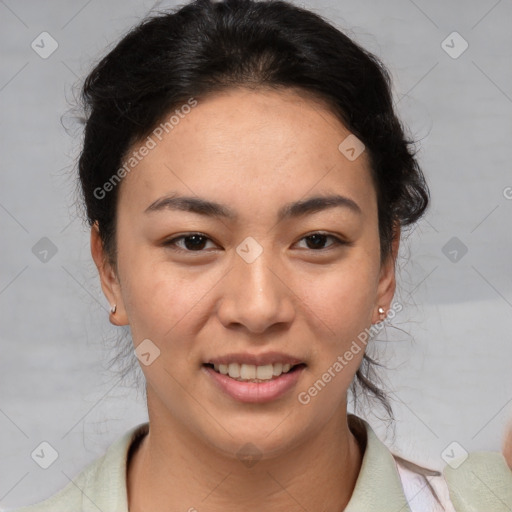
386, 483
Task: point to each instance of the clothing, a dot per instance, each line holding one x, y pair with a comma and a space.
384, 484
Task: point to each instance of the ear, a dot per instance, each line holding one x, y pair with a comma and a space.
109, 281
387, 280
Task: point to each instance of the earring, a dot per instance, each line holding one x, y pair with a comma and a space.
113, 309
381, 311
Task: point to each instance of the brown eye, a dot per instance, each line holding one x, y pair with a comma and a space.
316, 241
194, 242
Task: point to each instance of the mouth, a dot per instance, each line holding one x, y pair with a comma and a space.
253, 373
254, 383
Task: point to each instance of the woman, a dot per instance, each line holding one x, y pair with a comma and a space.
246, 181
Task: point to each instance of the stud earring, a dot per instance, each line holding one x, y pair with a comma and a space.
113, 309
381, 311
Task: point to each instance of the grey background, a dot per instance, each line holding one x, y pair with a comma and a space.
449, 373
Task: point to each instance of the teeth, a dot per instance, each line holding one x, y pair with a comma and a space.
247, 372
234, 370
264, 372
277, 369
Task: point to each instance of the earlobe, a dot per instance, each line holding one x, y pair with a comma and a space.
115, 318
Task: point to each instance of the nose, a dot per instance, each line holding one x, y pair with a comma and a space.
256, 296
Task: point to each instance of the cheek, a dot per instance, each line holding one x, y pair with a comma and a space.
343, 302
155, 300
166, 305
344, 298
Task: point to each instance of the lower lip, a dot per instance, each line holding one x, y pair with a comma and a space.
255, 392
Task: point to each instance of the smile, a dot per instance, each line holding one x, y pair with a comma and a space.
254, 383
253, 373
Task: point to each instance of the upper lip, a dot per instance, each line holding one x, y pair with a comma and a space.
255, 359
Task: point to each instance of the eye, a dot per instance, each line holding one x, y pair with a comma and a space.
193, 242
317, 241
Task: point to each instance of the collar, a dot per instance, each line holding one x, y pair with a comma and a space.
378, 486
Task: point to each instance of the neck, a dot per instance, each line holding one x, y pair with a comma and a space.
171, 469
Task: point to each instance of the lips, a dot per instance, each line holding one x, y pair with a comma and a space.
255, 390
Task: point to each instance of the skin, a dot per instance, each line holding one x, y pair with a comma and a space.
252, 150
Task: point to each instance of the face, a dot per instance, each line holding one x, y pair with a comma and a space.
263, 278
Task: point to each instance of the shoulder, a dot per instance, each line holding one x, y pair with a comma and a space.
477, 481
388, 483
68, 498
480, 481
99, 486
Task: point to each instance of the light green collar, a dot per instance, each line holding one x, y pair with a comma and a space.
378, 486
102, 485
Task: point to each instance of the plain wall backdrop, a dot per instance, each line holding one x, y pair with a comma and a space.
449, 370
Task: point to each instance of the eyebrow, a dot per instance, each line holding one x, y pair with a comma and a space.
290, 210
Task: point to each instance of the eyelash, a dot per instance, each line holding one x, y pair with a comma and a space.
172, 243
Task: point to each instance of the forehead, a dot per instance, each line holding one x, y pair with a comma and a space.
243, 143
